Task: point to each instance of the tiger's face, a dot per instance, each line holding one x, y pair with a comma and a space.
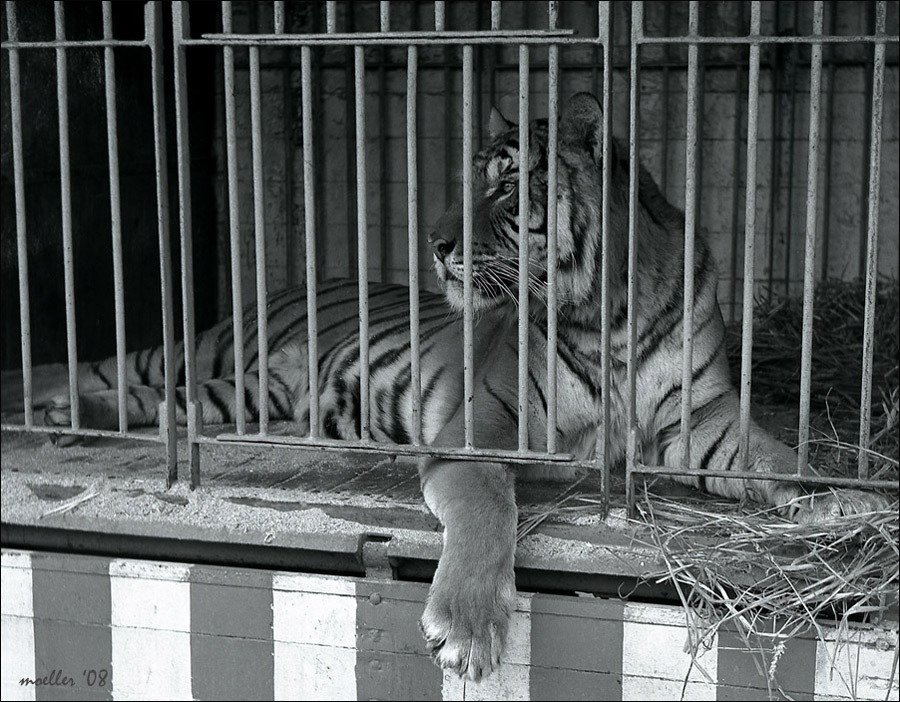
496, 214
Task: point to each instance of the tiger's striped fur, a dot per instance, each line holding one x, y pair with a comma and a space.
466, 618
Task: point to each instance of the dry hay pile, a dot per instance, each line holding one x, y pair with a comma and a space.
838, 322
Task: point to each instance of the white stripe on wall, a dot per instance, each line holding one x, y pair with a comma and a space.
655, 665
314, 631
17, 630
151, 625
860, 669
512, 681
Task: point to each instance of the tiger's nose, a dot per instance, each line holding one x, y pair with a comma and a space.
442, 247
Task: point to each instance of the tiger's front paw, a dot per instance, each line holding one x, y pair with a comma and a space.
466, 620
824, 506
58, 413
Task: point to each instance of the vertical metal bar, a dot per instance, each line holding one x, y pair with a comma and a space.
735, 191
865, 409
62, 98
262, 322
637, 28
154, 25
237, 295
809, 265
279, 16
749, 233
309, 211
690, 223
181, 30
383, 175
496, 10
552, 229
349, 117
604, 31
412, 192
362, 238
829, 130
524, 230
15, 108
468, 292
112, 143
384, 12
331, 17
439, 16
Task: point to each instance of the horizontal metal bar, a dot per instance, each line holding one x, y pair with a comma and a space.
472, 454
762, 39
153, 435
74, 44
776, 477
430, 38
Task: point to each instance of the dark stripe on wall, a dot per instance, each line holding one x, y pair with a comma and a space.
72, 625
739, 667
391, 662
232, 652
576, 648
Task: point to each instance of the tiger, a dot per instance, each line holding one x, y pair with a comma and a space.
467, 612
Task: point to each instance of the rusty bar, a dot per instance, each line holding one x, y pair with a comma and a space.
412, 193
552, 227
115, 212
809, 265
309, 213
749, 234
65, 179
259, 226
468, 292
154, 24
690, 224
237, 295
15, 108
524, 244
865, 408
362, 238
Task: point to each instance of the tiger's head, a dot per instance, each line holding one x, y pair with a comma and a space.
495, 205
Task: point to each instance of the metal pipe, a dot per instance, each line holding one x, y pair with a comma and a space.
496, 14
115, 214
552, 227
809, 265
690, 224
62, 99
637, 28
524, 243
259, 218
865, 408
330, 17
181, 30
362, 239
468, 292
412, 196
153, 23
439, 16
15, 108
73, 44
237, 303
279, 17
309, 213
604, 25
384, 12
749, 234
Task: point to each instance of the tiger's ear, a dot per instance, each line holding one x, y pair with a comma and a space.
581, 125
497, 123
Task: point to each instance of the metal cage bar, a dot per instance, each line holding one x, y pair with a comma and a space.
362, 237
690, 224
15, 111
524, 243
115, 214
412, 193
237, 295
874, 181
468, 292
552, 226
749, 234
809, 272
65, 180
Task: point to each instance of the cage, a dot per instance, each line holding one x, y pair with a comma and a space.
186, 164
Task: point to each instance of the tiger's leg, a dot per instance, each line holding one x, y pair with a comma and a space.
472, 596
99, 409
715, 445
